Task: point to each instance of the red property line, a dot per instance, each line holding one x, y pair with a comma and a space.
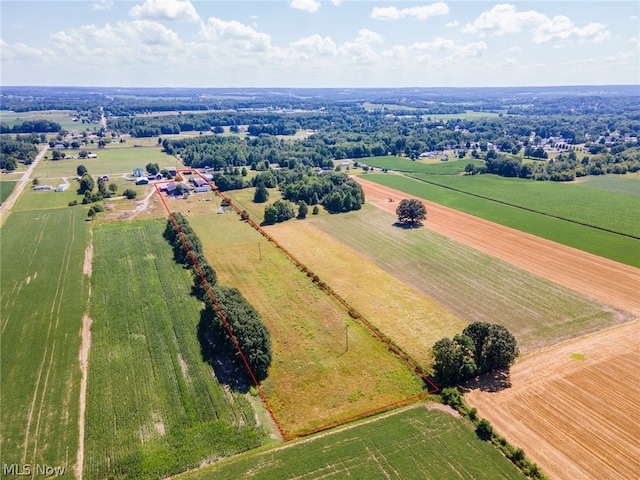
315, 279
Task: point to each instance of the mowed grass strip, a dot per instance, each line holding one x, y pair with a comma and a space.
314, 378
472, 285
154, 407
412, 444
43, 298
605, 244
402, 313
615, 211
428, 166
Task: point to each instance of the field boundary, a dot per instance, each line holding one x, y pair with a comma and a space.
457, 190
432, 387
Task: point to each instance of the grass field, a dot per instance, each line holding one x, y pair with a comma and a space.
110, 161
605, 244
6, 187
43, 298
629, 184
411, 444
63, 117
431, 167
597, 207
470, 284
314, 378
154, 407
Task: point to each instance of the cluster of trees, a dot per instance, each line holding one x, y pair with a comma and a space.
279, 211
31, 126
242, 319
333, 190
17, 149
481, 348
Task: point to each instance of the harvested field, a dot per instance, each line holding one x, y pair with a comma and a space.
605, 280
574, 407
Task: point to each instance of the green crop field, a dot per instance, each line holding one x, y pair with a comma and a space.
43, 298
154, 408
605, 244
629, 184
600, 208
314, 379
412, 444
110, 161
472, 285
6, 187
432, 167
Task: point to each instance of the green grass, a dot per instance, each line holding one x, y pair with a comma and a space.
472, 285
313, 379
411, 444
154, 407
468, 115
110, 161
609, 245
600, 208
43, 298
433, 167
629, 184
63, 117
6, 187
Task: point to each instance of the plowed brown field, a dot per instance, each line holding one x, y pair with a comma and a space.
573, 407
610, 282
576, 418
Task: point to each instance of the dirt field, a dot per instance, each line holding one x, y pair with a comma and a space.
605, 280
574, 407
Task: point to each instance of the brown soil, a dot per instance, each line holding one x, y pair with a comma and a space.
84, 365
610, 282
574, 407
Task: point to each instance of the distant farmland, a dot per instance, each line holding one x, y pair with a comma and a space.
5, 189
411, 444
43, 298
154, 408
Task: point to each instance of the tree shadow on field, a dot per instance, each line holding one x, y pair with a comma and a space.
489, 382
228, 367
407, 225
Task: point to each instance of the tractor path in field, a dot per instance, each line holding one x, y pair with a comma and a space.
610, 282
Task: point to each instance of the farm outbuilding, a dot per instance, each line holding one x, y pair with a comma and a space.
138, 172
142, 181
62, 188
198, 182
203, 189
43, 187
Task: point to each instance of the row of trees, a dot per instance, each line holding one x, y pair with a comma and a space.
31, 126
480, 348
242, 320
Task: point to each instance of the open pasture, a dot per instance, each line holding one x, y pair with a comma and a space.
63, 117
574, 407
414, 443
43, 298
326, 366
110, 161
427, 166
601, 208
154, 407
629, 183
470, 284
605, 244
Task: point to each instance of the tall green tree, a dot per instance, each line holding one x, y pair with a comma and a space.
412, 211
261, 194
86, 183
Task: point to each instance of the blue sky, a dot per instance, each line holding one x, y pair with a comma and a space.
319, 43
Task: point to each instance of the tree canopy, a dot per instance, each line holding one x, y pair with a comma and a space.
411, 210
481, 348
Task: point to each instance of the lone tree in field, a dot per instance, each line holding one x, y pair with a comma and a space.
411, 210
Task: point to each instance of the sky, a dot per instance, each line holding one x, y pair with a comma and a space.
319, 43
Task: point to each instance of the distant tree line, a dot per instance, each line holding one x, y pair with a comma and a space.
31, 126
245, 322
15, 149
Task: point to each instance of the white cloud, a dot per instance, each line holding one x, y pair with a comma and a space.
103, 5
315, 45
310, 6
438, 44
235, 35
165, 10
337, 3
504, 19
421, 13
470, 50
451, 24
367, 36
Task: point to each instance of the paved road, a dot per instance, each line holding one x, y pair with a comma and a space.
6, 207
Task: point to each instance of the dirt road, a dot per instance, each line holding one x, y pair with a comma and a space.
8, 204
610, 282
